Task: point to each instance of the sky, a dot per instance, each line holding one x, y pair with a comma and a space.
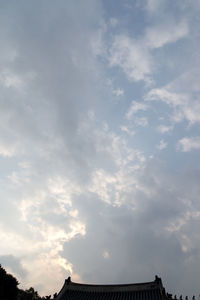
100, 142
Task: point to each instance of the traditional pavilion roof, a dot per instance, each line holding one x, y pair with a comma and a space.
153, 290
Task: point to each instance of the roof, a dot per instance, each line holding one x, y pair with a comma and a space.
135, 291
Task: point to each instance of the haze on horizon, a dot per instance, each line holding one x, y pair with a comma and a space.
100, 142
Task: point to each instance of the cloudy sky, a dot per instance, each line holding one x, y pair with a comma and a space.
100, 142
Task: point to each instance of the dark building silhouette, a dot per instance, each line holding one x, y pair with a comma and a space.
153, 290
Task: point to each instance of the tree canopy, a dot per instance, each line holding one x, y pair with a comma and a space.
9, 289
8, 285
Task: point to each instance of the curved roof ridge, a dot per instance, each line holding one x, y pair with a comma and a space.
84, 288
112, 285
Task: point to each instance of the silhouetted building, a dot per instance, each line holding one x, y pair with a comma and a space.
153, 290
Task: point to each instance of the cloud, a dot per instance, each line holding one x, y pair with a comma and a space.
135, 56
127, 129
132, 57
187, 144
162, 145
159, 211
135, 107
10, 80
78, 196
157, 37
46, 133
153, 5
13, 264
184, 107
164, 129
118, 92
140, 121
164, 95
6, 151
43, 222
113, 22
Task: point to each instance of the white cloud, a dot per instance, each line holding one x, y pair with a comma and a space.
166, 96
135, 56
118, 92
187, 144
10, 80
162, 145
7, 151
132, 57
140, 121
42, 241
127, 129
164, 128
73, 213
135, 107
159, 36
184, 105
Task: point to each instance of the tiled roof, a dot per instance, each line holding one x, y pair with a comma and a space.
139, 291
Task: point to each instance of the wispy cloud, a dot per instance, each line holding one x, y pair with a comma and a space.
118, 92
132, 57
187, 144
158, 36
127, 129
135, 107
183, 105
162, 145
140, 121
164, 128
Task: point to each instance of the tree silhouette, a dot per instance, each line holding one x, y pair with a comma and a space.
29, 294
10, 291
8, 285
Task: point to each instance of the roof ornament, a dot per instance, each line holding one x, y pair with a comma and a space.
158, 279
68, 280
